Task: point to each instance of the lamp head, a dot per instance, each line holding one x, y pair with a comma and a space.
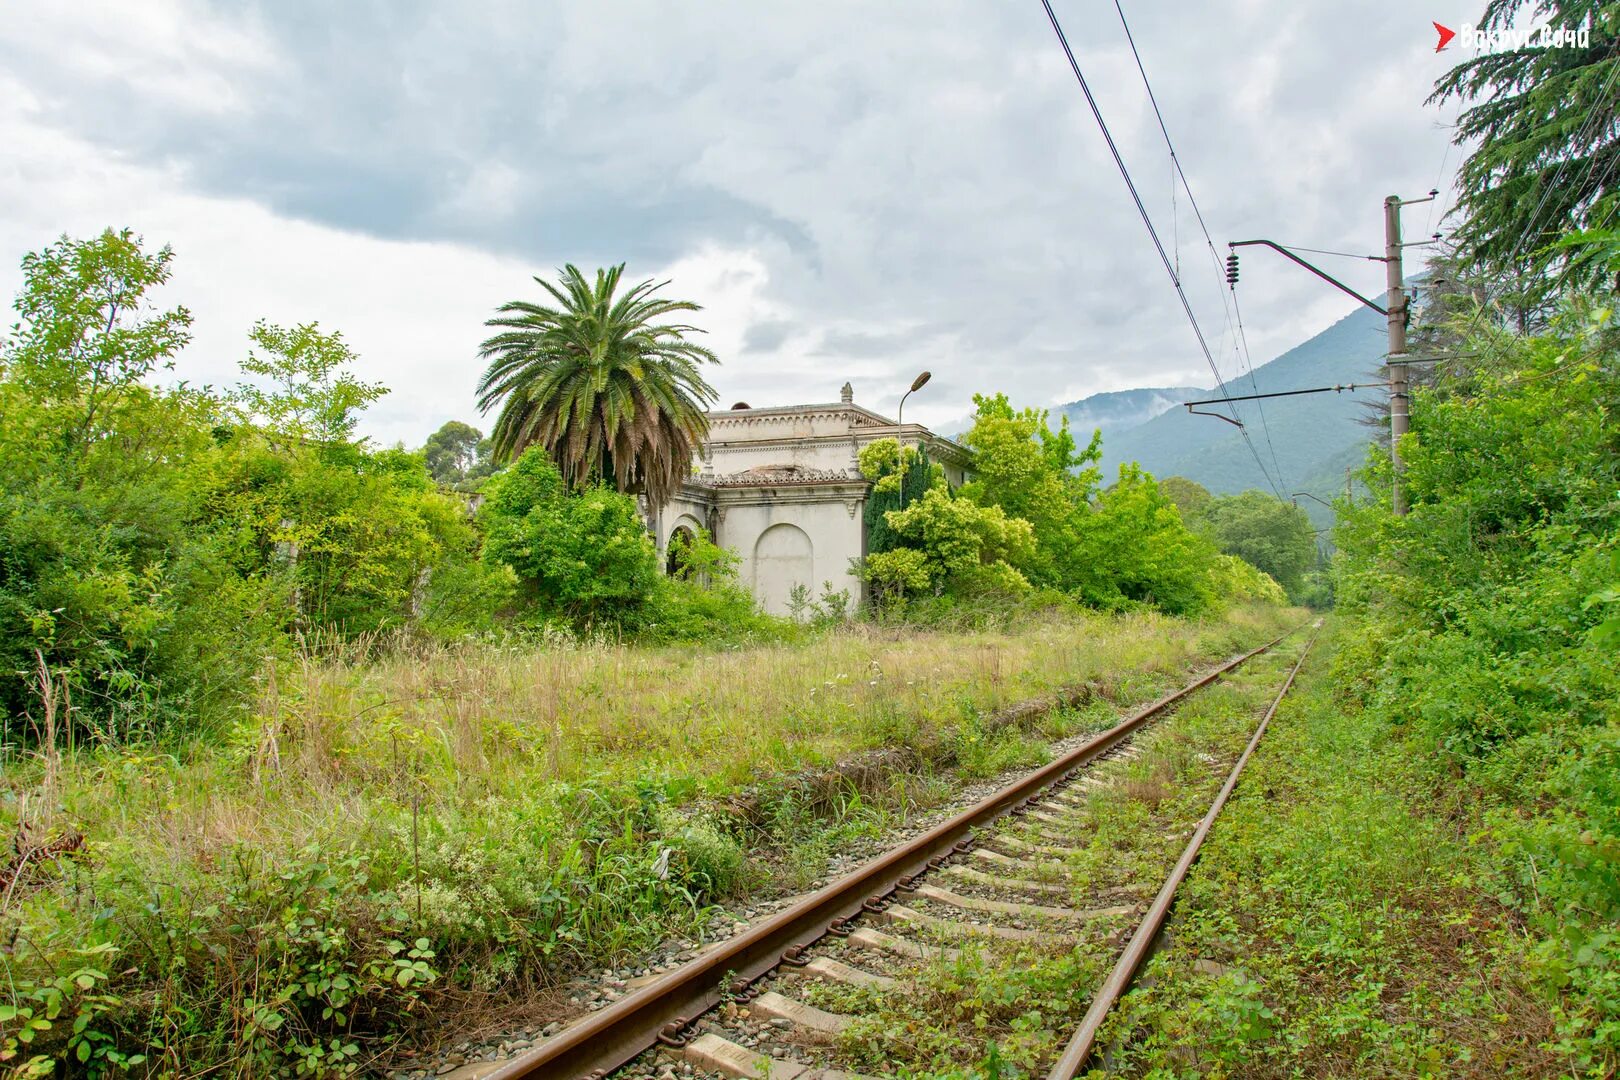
917, 383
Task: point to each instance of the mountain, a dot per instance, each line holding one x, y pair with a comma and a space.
1315, 437
1121, 410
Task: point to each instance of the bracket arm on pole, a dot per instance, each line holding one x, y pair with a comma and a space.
1323, 274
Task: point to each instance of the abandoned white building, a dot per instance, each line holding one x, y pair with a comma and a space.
781, 488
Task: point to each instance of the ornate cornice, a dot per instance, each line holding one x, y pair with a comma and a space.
780, 477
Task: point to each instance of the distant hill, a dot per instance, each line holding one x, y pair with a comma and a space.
1315, 436
1111, 412
1121, 410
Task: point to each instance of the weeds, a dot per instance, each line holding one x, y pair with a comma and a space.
392, 837
1340, 922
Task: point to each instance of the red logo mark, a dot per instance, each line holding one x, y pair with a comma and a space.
1445, 36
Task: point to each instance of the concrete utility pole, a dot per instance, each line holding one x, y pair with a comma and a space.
1399, 418
1397, 312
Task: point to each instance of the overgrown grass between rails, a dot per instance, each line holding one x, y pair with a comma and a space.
1002, 1011
1340, 922
395, 840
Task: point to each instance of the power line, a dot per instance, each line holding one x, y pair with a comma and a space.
1324, 251
1147, 221
1249, 360
1215, 258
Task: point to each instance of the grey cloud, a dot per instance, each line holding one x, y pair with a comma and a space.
906, 164
766, 336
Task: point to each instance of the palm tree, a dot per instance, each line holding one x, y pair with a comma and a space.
609, 394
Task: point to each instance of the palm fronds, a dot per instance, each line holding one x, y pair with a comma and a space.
608, 391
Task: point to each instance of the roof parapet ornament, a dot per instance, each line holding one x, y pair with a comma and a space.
847, 394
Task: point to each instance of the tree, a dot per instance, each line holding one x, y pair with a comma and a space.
1265, 532
310, 395
1189, 496
1545, 122
609, 393
453, 452
1133, 548
84, 338
585, 555
1034, 473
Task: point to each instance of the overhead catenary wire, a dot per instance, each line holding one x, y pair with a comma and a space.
1147, 221
1243, 337
1233, 315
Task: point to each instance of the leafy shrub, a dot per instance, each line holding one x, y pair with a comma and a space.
1476, 632
587, 556
1134, 549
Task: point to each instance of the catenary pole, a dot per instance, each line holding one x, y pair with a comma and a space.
1399, 419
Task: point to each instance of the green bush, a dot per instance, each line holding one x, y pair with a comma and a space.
586, 556
1133, 548
1476, 632
158, 546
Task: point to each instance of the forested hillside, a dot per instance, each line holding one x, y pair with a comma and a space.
1315, 436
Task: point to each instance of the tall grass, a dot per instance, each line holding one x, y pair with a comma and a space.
492, 815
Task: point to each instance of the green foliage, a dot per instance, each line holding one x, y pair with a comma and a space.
84, 341
968, 546
457, 453
1607, 598
585, 555
1273, 536
1478, 630
1030, 471
310, 396
1541, 129
892, 574
612, 395
159, 545
1189, 496
880, 463
355, 531
1239, 581
64, 1015
1134, 549
1032, 515
703, 601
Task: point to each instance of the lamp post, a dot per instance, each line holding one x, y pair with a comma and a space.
900, 429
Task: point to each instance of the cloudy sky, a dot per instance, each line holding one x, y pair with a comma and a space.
852, 190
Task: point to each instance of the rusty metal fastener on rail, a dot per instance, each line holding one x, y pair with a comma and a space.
1079, 1047
611, 1037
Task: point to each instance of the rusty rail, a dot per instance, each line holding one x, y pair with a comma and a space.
661, 1011
1130, 961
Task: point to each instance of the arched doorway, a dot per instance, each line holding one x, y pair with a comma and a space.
680, 542
782, 559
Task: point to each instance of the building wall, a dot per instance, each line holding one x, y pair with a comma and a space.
781, 488
785, 541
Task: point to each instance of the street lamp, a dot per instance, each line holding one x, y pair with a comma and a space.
1296, 497
900, 428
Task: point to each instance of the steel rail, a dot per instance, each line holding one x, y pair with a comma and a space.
660, 1011
1130, 961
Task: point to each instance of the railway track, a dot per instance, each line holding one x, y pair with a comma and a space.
990, 890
